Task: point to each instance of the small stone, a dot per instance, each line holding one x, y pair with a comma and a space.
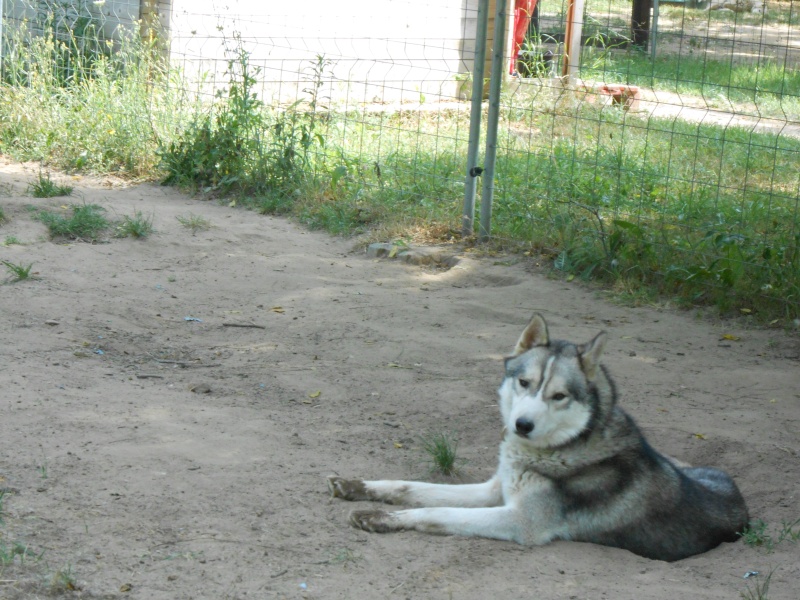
379, 250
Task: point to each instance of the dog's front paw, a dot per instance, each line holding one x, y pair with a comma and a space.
347, 489
376, 521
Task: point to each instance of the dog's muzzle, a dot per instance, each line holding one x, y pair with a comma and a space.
523, 427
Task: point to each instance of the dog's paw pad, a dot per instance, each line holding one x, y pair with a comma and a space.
375, 521
347, 489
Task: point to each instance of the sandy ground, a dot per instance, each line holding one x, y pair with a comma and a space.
152, 457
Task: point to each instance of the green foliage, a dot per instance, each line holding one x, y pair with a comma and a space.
76, 37
44, 187
757, 535
69, 101
772, 87
15, 551
18, 272
84, 221
194, 223
241, 146
138, 226
702, 213
442, 450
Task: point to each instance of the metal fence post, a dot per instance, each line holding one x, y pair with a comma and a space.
471, 184
495, 86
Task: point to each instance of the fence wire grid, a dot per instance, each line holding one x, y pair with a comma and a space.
665, 164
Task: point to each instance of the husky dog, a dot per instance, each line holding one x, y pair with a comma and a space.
573, 466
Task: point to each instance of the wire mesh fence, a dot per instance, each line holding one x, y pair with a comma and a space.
668, 162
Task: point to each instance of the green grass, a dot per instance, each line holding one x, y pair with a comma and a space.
764, 89
18, 272
98, 112
138, 226
11, 240
78, 221
44, 187
757, 534
12, 551
698, 213
194, 223
442, 449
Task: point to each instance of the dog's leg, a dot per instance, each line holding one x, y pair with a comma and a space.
415, 493
501, 523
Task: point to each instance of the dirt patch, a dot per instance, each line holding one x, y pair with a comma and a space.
172, 406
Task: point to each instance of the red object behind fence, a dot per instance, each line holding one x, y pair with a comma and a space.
523, 11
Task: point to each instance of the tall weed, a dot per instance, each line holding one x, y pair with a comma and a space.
239, 145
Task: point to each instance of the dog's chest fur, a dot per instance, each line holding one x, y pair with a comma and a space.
525, 469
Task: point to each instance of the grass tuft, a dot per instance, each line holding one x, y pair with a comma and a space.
83, 221
63, 581
757, 534
442, 450
45, 187
194, 223
18, 272
137, 226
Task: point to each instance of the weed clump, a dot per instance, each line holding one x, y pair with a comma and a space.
239, 146
45, 187
18, 272
442, 449
138, 226
84, 221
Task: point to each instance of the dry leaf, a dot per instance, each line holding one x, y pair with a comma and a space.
277, 309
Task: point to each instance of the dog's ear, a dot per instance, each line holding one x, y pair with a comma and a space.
535, 334
590, 355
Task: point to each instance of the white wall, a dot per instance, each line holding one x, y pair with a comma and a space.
381, 50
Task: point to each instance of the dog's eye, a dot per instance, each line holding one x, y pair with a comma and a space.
559, 396
524, 383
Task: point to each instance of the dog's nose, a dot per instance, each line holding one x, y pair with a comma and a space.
524, 426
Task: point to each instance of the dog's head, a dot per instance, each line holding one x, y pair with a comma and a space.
548, 396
